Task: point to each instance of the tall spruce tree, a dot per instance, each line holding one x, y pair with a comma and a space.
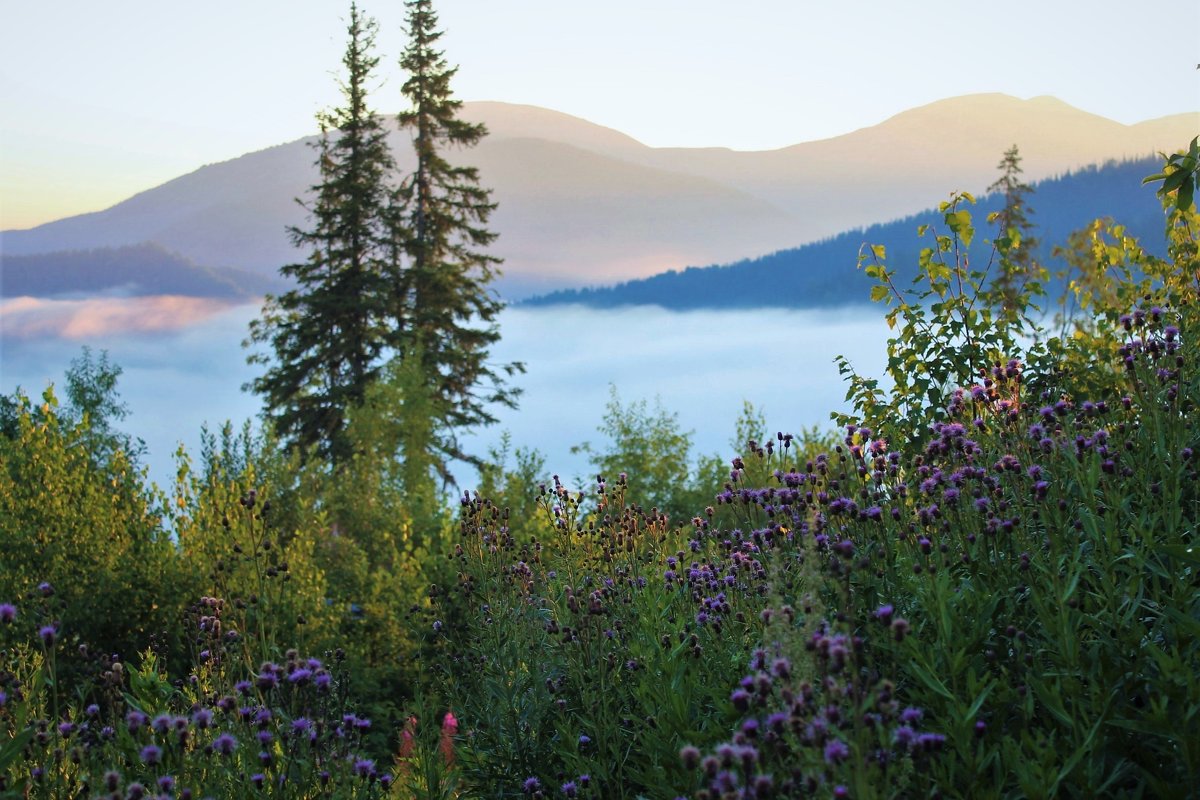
326, 334
450, 305
1018, 267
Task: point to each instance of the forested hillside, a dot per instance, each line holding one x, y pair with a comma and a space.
824, 273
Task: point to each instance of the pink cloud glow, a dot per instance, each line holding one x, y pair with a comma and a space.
31, 317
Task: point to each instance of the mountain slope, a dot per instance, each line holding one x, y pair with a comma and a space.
824, 273
580, 203
133, 270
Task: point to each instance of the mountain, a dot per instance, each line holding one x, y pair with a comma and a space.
824, 273
581, 204
130, 271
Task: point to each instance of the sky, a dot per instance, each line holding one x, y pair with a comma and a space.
101, 100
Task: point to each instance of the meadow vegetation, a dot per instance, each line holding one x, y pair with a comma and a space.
983, 583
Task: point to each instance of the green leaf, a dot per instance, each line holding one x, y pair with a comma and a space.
878, 293
927, 677
13, 748
1183, 201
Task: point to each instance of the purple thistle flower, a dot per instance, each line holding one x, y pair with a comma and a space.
258, 779
48, 634
364, 768
300, 677
8, 612
531, 785
930, 741
570, 789
911, 715
151, 754
202, 718
836, 751
46, 589
225, 744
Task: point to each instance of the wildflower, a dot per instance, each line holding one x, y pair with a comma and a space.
65, 729
151, 754
531, 785
836, 751
258, 779
570, 789
910, 715
45, 589
584, 740
449, 729
225, 744
408, 741
135, 791
300, 676
135, 720
930, 741
112, 780
364, 767
166, 783
202, 718
690, 756
48, 634
8, 612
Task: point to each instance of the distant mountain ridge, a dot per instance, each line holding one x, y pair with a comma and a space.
581, 204
823, 274
146, 269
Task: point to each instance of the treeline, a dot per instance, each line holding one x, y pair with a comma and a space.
823, 274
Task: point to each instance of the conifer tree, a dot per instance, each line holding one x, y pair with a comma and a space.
327, 333
451, 308
1018, 267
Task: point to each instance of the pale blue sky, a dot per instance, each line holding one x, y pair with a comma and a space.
100, 100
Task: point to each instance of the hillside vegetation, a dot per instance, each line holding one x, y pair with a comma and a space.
984, 583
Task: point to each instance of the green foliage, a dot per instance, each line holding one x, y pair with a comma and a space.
948, 334
649, 453
1179, 176
75, 513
